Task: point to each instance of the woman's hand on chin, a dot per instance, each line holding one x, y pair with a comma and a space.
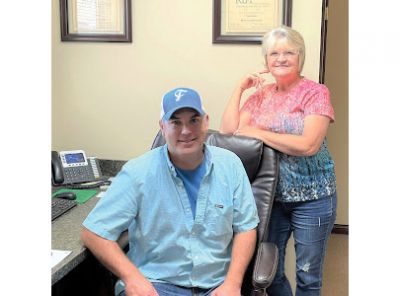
253, 80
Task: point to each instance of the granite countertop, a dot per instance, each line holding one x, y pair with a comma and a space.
66, 229
110, 167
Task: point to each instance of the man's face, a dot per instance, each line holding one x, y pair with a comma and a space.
185, 133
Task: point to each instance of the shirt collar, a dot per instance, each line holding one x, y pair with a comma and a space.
207, 159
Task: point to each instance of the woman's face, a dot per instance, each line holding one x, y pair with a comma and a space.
283, 60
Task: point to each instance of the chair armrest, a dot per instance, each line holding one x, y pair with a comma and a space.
265, 265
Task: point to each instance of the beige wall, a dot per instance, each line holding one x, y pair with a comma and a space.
106, 97
337, 79
336, 271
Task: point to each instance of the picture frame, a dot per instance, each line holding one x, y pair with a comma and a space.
96, 20
246, 21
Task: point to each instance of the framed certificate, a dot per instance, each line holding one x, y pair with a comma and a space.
246, 21
96, 20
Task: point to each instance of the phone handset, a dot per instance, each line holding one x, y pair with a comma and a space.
57, 175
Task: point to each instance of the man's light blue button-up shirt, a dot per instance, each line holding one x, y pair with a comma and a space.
165, 243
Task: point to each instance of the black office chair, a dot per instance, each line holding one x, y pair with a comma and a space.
261, 164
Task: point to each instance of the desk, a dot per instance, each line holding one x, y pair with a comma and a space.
65, 232
66, 229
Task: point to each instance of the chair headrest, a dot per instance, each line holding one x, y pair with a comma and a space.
249, 150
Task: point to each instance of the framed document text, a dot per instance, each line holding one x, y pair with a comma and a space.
246, 21
96, 20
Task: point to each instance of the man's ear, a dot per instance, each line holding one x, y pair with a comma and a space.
161, 124
206, 121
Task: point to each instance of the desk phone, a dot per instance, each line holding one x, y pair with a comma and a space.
73, 167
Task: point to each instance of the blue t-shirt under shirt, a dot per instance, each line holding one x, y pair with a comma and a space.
191, 180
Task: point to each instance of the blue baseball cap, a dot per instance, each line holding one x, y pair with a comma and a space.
179, 98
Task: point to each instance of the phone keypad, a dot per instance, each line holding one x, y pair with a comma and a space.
78, 174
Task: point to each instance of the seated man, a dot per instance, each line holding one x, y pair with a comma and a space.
189, 209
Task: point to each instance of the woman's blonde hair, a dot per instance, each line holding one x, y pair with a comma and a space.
288, 35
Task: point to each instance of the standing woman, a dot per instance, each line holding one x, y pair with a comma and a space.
291, 115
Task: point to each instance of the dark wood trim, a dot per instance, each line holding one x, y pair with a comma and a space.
217, 37
340, 229
287, 13
324, 28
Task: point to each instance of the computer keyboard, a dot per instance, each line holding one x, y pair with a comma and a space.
60, 206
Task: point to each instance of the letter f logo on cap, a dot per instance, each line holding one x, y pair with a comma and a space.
172, 101
179, 94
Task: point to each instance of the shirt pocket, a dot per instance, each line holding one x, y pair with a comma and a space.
220, 219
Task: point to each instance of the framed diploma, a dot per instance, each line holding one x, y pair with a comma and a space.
96, 20
246, 21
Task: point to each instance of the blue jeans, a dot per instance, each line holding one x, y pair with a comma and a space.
311, 223
164, 289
